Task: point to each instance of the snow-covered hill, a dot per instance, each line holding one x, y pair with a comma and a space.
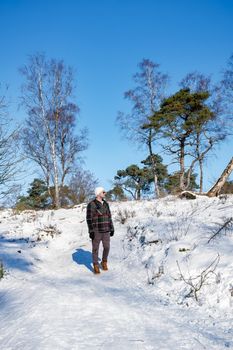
169, 284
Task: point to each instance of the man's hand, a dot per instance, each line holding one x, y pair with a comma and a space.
111, 233
92, 235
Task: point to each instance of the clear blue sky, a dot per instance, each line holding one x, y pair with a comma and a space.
104, 40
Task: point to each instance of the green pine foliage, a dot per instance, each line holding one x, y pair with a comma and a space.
227, 187
182, 113
135, 180
172, 184
160, 169
116, 194
181, 120
38, 197
139, 181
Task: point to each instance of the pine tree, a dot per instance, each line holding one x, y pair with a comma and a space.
160, 171
181, 118
135, 180
38, 196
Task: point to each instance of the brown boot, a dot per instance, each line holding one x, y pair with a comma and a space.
96, 268
104, 265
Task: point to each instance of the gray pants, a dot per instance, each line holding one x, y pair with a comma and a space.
105, 238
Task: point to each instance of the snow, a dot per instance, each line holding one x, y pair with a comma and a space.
50, 298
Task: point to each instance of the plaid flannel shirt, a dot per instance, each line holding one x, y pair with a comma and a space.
99, 217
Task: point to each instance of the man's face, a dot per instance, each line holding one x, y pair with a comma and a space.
102, 194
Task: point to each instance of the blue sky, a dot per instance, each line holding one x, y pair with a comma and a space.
104, 41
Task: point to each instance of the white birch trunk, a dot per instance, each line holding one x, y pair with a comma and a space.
215, 190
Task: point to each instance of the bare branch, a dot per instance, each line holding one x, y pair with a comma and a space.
196, 283
228, 223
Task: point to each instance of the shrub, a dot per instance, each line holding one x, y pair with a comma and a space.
49, 231
124, 215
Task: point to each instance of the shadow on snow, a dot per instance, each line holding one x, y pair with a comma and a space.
83, 257
12, 254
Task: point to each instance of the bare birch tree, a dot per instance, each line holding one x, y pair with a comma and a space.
48, 137
226, 90
9, 153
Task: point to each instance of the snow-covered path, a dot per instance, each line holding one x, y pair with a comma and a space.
58, 303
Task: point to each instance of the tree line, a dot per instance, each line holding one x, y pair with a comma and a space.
185, 126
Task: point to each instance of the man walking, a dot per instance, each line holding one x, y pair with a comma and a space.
100, 227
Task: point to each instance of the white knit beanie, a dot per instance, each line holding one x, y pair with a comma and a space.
98, 190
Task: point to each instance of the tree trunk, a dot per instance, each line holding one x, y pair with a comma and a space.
56, 185
200, 161
153, 166
201, 175
138, 194
156, 186
182, 169
52, 136
215, 190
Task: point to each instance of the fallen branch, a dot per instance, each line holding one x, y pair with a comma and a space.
215, 190
226, 224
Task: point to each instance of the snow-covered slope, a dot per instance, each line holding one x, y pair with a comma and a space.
161, 253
